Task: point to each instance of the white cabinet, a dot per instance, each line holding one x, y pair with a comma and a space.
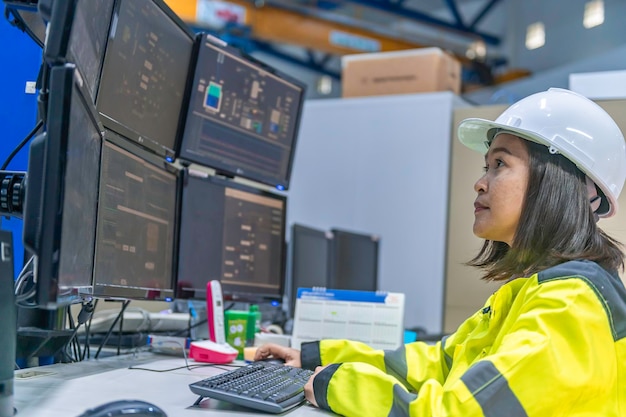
381, 165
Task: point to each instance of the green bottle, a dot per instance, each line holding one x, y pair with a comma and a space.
254, 323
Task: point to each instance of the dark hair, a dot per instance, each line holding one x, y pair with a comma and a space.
556, 224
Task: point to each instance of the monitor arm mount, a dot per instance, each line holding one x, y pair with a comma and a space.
12, 193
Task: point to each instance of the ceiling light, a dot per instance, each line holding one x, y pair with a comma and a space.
324, 85
594, 14
535, 36
477, 50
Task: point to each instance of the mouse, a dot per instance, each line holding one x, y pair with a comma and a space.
273, 360
126, 408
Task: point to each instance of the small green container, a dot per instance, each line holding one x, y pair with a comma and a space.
236, 329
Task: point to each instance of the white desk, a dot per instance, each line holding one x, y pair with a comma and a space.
67, 390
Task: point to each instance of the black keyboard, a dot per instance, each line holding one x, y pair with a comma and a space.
264, 386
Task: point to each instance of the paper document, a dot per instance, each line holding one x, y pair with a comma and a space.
374, 318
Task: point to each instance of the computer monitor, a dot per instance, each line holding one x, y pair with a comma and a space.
354, 261
77, 33
232, 233
144, 75
136, 233
310, 260
243, 116
25, 16
62, 193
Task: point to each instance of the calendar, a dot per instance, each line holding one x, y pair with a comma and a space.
374, 318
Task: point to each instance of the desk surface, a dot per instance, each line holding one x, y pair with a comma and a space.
67, 390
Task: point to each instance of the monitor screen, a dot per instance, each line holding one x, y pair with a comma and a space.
310, 260
354, 261
135, 246
232, 233
243, 116
145, 73
62, 193
77, 33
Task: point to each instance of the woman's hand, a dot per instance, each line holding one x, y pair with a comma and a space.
308, 387
289, 355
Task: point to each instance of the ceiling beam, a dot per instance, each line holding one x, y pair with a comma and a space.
263, 24
417, 16
483, 13
276, 23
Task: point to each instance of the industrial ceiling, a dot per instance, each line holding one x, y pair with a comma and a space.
325, 29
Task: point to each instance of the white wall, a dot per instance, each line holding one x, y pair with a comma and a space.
380, 165
509, 93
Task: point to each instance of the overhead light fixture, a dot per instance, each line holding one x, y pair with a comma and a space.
324, 85
535, 35
477, 50
594, 14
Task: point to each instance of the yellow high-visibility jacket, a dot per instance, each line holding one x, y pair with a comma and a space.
553, 344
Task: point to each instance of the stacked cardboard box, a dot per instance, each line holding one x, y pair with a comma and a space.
400, 72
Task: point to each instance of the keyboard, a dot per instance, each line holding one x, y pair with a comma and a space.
264, 386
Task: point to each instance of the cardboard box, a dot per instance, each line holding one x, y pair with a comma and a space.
400, 72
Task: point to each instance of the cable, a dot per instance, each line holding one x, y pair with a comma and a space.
87, 349
25, 277
22, 272
21, 145
125, 304
63, 349
23, 297
84, 315
72, 340
188, 329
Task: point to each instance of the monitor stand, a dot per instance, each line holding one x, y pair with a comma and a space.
8, 324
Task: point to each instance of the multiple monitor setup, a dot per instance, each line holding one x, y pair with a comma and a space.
107, 213
132, 190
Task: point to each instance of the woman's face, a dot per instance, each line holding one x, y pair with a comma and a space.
501, 190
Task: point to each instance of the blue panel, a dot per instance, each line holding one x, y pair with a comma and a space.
21, 58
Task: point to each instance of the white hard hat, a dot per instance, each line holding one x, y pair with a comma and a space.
567, 123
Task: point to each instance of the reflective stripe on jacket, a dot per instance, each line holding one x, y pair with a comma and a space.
553, 344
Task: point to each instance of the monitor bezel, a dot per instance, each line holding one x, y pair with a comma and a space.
337, 234
230, 170
298, 230
109, 292
229, 293
56, 49
42, 231
124, 131
28, 17
59, 30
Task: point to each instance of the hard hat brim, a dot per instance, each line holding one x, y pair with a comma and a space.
477, 133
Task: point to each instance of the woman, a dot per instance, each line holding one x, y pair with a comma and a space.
552, 340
